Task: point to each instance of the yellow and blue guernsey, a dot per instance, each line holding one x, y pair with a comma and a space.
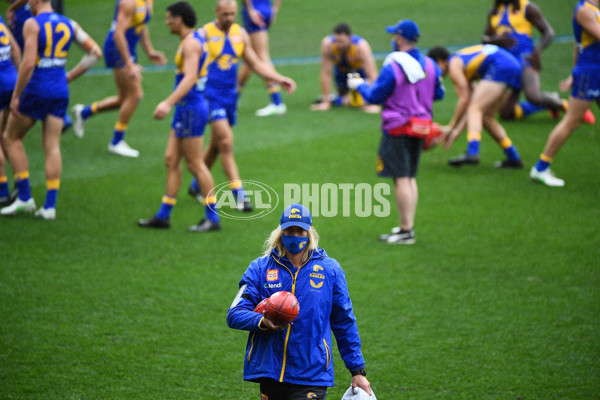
224, 52
586, 74
47, 91
141, 17
191, 112
8, 72
197, 92
513, 22
346, 61
589, 46
300, 354
490, 62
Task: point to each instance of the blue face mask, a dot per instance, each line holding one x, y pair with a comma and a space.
394, 45
294, 244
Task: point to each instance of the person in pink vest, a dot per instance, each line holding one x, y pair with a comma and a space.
407, 85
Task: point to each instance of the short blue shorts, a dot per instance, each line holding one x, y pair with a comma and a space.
250, 26
190, 120
38, 107
5, 96
504, 69
8, 78
586, 82
112, 57
218, 109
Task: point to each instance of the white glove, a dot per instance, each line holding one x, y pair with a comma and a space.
354, 81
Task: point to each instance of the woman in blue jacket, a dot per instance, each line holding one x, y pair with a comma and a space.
294, 361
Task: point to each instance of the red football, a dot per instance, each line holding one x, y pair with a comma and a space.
260, 307
282, 308
433, 137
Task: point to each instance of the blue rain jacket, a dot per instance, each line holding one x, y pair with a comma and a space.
300, 354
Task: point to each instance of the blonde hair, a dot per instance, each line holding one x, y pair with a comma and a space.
274, 242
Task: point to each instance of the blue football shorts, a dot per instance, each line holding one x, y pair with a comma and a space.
586, 82
38, 107
190, 120
504, 69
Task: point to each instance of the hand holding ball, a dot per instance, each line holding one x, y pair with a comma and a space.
281, 308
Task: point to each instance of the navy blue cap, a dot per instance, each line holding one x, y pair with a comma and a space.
296, 215
406, 28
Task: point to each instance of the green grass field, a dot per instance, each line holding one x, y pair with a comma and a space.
499, 298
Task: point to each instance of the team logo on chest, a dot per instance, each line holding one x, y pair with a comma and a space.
316, 277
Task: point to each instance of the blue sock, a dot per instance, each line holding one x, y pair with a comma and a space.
529, 108
473, 140
117, 136
88, 111
51, 194
512, 153
194, 184
164, 212
541, 165
239, 193
211, 212
276, 96
543, 162
22, 183
510, 150
4, 191
473, 148
51, 199
119, 132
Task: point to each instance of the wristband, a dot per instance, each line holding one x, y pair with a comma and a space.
359, 372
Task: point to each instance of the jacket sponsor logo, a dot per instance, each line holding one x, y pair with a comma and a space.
316, 285
273, 285
272, 275
317, 268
